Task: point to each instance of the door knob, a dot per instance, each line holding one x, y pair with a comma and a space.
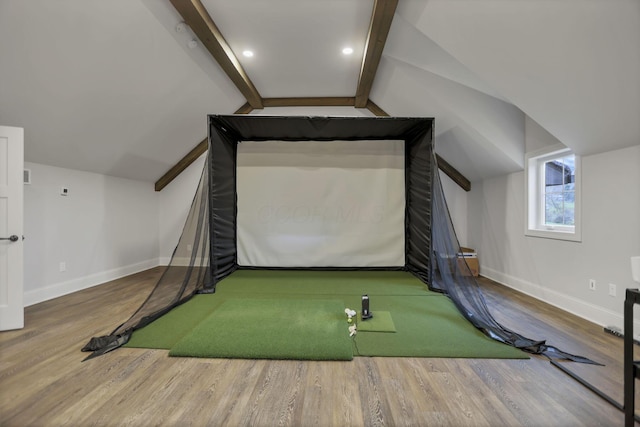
13, 238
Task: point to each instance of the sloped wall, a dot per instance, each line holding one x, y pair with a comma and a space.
572, 65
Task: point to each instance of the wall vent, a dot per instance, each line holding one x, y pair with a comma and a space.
26, 176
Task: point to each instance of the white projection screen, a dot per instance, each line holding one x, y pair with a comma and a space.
321, 203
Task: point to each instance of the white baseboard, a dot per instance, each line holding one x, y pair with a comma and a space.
598, 315
63, 288
183, 261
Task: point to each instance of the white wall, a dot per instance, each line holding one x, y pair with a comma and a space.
105, 228
558, 271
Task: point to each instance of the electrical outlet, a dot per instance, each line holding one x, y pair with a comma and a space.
612, 289
592, 284
189, 248
63, 266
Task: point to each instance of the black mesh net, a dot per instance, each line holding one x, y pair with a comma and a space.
188, 273
453, 277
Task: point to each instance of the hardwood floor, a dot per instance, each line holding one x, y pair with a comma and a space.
43, 382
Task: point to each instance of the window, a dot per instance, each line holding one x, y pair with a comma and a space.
553, 194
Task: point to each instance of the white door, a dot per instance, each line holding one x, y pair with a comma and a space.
11, 189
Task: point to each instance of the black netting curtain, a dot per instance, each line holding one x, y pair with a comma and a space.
452, 276
188, 272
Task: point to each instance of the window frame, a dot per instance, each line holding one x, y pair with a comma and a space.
534, 195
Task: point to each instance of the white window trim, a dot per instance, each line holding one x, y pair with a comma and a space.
534, 190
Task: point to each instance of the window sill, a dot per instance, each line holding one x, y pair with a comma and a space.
554, 234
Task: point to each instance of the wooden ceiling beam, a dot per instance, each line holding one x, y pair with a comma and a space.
192, 156
381, 18
184, 163
377, 111
453, 173
443, 165
335, 101
245, 109
195, 15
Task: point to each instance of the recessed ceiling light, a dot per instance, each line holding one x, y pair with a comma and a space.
181, 27
347, 51
248, 53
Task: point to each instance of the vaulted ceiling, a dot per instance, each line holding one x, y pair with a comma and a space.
121, 88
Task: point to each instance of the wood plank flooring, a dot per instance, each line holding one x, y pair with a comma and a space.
44, 383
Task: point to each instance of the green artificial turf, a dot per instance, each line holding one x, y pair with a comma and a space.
168, 329
316, 282
271, 329
380, 322
276, 305
429, 327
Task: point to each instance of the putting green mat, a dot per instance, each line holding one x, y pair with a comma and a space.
271, 329
380, 322
426, 323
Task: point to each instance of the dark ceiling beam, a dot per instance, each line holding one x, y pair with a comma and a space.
245, 109
195, 15
383, 11
377, 111
192, 156
335, 101
453, 173
443, 165
184, 163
